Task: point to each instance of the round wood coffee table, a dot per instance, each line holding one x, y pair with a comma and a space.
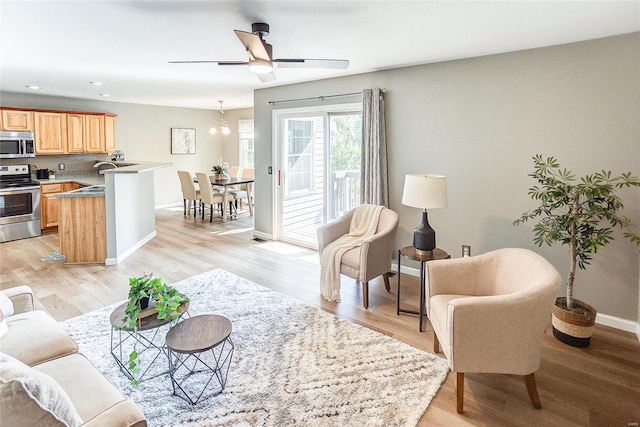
205, 343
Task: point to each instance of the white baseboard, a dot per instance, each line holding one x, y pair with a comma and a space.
170, 205
616, 322
601, 319
261, 235
140, 243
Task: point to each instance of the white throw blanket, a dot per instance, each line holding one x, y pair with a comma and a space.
363, 224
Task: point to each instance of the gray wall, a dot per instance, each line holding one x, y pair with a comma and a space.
143, 133
479, 121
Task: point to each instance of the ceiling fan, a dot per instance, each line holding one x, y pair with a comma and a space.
260, 54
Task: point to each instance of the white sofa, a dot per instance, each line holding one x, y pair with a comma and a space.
44, 381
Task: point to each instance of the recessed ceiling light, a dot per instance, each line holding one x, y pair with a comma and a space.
96, 83
34, 87
105, 95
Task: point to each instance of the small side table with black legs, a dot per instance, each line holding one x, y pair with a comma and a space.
411, 253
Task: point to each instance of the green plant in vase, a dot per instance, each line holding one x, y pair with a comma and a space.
580, 213
149, 292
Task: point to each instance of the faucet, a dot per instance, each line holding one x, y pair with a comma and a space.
105, 163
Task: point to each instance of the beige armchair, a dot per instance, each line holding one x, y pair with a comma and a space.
489, 313
370, 260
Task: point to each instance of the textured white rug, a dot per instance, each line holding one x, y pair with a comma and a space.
293, 365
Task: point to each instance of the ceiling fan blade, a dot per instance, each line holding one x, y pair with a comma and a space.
266, 78
210, 62
339, 64
193, 62
253, 45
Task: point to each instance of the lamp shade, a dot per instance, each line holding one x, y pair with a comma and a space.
425, 191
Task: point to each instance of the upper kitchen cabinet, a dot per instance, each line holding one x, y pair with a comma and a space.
94, 132
51, 133
18, 121
75, 133
110, 133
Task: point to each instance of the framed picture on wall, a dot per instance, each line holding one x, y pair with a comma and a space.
183, 141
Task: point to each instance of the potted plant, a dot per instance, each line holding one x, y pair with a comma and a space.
218, 170
148, 296
580, 214
52, 174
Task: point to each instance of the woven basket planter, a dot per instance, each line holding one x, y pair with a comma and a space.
570, 327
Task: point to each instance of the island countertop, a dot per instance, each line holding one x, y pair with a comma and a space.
134, 167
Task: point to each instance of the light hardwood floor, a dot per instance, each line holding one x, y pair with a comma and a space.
597, 386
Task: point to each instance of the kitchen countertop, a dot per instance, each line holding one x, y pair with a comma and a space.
87, 179
92, 191
136, 167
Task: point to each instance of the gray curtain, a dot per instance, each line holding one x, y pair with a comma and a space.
374, 185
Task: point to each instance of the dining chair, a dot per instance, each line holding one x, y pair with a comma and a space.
189, 192
207, 195
245, 190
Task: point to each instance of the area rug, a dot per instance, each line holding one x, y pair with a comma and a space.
293, 364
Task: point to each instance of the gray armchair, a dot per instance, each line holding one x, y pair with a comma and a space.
370, 260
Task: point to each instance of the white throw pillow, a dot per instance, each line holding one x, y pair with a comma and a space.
6, 305
30, 397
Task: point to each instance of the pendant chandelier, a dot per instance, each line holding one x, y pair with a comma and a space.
221, 125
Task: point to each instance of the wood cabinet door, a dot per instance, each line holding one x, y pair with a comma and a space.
19, 121
110, 133
51, 133
94, 133
75, 133
50, 210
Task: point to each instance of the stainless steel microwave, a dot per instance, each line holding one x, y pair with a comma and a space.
17, 144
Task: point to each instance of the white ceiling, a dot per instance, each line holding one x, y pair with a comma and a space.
63, 45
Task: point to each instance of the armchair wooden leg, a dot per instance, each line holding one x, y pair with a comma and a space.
436, 343
459, 391
385, 276
365, 294
530, 381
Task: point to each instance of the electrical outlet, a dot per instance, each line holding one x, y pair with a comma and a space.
466, 250
61, 166
269, 170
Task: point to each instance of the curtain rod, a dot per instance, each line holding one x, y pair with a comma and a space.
321, 98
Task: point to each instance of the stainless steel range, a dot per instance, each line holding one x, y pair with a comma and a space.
19, 203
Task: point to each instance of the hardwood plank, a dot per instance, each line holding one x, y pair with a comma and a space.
596, 386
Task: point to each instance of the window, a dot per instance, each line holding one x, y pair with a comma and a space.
299, 155
245, 129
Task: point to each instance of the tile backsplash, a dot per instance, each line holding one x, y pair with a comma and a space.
73, 163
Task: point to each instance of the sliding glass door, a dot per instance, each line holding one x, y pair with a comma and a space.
318, 166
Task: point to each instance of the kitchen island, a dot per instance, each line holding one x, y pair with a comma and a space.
82, 225
129, 209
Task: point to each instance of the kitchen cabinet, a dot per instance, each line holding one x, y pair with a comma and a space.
17, 121
50, 206
75, 133
51, 133
85, 133
94, 133
83, 229
109, 133
63, 132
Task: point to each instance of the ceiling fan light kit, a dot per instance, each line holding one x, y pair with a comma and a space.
261, 56
260, 66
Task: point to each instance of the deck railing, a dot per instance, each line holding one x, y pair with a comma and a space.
345, 192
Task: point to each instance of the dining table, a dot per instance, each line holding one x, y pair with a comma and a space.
228, 182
